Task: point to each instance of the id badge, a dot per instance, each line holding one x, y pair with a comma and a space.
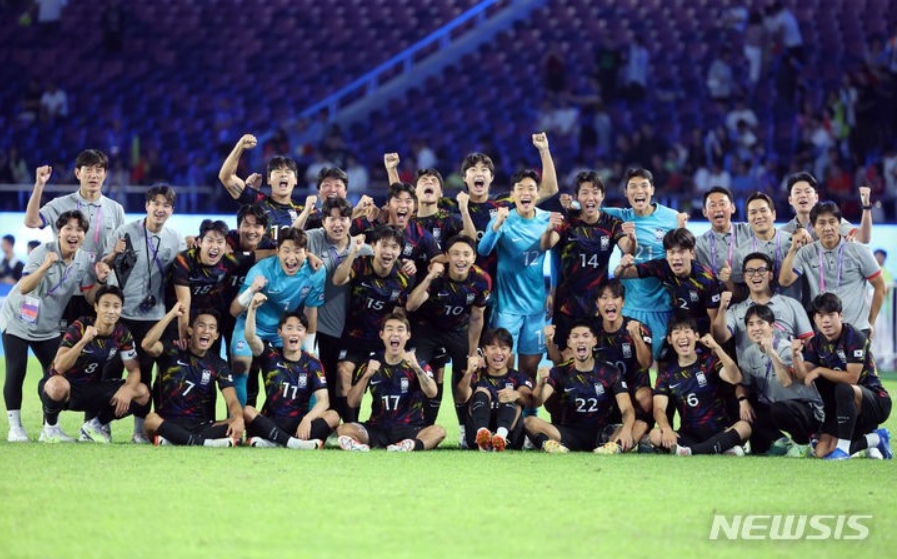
30, 310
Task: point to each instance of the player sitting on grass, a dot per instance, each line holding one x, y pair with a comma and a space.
75, 378
588, 390
694, 383
185, 383
398, 387
292, 377
839, 360
495, 395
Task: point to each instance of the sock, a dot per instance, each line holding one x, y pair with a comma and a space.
139, 427
461, 412
300, 444
431, 409
502, 432
15, 418
480, 410
175, 434
505, 416
351, 415
240, 386
51, 409
872, 440
717, 444
418, 444
844, 444
269, 430
862, 443
538, 439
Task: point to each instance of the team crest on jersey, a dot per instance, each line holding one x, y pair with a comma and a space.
509, 385
492, 212
659, 233
437, 233
206, 376
303, 380
304, 291
702, 379
403, 383
241, 344
605, 242
599, 389
394, 296
407, 250
470, 298
841, 355
627, 350
293, 215
692, 296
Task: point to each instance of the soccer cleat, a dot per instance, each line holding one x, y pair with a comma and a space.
406, 445
554, 447
836, 454
645, 446
873, 454
159, 440
528, 444
92, 431
610, 447
484, 439
17, 434
226, 442
259, 442
798, 451
54, 434
779, 447
140, 438
679, 450
736, 450
884, 443
310, 444
499, 443
348, 443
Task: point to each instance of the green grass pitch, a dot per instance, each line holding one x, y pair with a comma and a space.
92, 501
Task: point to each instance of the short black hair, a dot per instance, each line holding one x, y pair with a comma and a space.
293, 314
340, 204
428, 171
65, 217
261, 216
826, 207
587, 176
638, 172
681, 238
91, 157
718, 190
109, 290
679, 322
460, 238
472, 159
498, 336
163, 190
298, 236
804, 176
767, 259
332, 173
397, 188
826, 303
387, 232
526, 174
615, 286
762, 312
9, 239
210, 225
282, 162
209, 311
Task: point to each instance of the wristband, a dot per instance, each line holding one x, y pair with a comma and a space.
742, 398
869, 207
245, 298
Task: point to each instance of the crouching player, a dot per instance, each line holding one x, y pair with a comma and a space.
589, 390
495, 395
185, 383
693, 382
771, 398
74, 381
398, 387
292, 377
839, 360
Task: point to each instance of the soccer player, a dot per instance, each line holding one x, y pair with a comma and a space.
583, 247
32, 311
716, 247
155, 247
520, 294
448, 306
834, 265
282, 177
75, 378
289, 282
186, 379
292, 378
770, 398
589, 390
791, 318
694, 383
331, 243
103, 214
839, 361
377, 288
398, 386
495, 394
647, 301
694, 289
803, 195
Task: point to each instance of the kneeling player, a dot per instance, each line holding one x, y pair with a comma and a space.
839, 360
292, 378
694, 383
495, 394
398, 387
74, 381
588, 390
185, 383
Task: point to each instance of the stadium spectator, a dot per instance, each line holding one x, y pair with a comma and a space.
10, 267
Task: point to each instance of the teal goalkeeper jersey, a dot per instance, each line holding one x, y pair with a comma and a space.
647, 294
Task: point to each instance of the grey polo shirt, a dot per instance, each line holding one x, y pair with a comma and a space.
777, 249
105, 216
22, 317
332, 314
791, 321
844, 271
155, 254
714, 249
759, 377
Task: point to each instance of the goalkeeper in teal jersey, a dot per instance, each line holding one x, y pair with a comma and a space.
646, 299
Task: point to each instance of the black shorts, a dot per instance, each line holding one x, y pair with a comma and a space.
88, 396
205, 428
692, 436
580, 437
875, 410
381, 436
319, 427
436, 347
358, 351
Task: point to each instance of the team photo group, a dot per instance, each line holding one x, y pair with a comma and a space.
757, 338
